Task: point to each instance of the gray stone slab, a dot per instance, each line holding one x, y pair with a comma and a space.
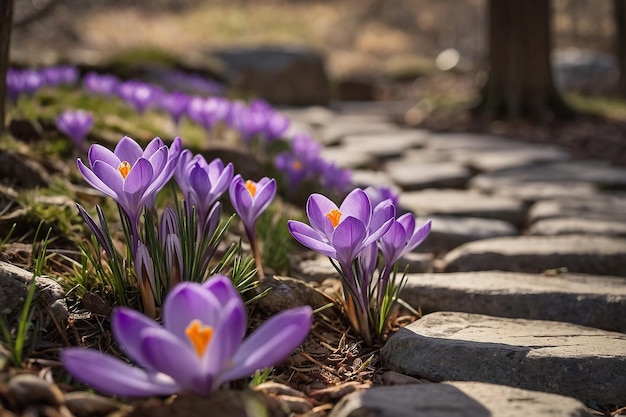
468, 141
313, 116
518, 155
581, 362
340, 127
448, 232
456, 399
463, 203
578, 225
530, 192
597, 207
311, 267
578, 253
588, 300
418, 176
364, 178
347, 158
598, 173
386, 144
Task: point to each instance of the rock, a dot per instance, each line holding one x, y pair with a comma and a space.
597, 207
418, 176
462, 203
598, 173
312, 267
281, 75
14, 284
416, 262
287, 293
452, 399
313, 116
448, 232
588, 300
385, 144
356, 90
459, 142
345, 158
530, 192
28, 389
519, 155
578, 225
87, 404
22, 171
364, 178
578, 253
343, 126
581, 362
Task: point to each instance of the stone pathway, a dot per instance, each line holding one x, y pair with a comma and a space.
526, 269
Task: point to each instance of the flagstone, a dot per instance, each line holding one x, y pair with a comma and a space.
448, 232
562, 358
589, 300
416, 176
590, 254
578, 225
456, 399
598, 173
531, 191
601, 206
347, 158
463, 204
518, 155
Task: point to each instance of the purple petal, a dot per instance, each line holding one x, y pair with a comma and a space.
348, 239
316, 209
109, 176
271, 343
357, 204
128, 150
170, 355
100, 153
227, 337
111, 376
310, 238
127, 325
222, 288
419, 235
94, 181
186, 302
139, 177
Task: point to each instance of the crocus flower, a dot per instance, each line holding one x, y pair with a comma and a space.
76, 125
381, 193
175, 104
199, 347
341, 232
138, 95
402, 237
202, 183
207, 112
334, 177
131, 175
54, 76
101, 83
250, 199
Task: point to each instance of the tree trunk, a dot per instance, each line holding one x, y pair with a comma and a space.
6, 21
520, 83
619, 8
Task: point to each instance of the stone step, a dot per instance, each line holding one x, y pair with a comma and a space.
589, 254
578, 225
588, 300
463, 203
532, 191
410, 175
602, 206
562, 358
456, 399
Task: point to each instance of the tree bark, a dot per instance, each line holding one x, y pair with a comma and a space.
520, 83
6, 21
619, 11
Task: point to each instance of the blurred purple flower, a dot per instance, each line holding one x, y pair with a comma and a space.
75, 124
175, 104
101, 83
130, 175
199, 347
207, 112
334, 177
138, 95
381, 193
250, 199
22, 81
61, 75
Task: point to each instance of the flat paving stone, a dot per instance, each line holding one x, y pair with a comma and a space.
463, 203
456, 399
593, 172
418, 176
347, 158
448, 232
588, 300
340, 127
530, 192
590, 254
598, 207
562, 358
578, 225
364, 178
468, 141
518, 155
386, 144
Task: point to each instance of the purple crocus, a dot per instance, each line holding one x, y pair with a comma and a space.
131, 175
342, 232
101, 83
250, 199
202, 183
138, 95
207, 112
175, 104
76, 125
381, 193
199, 347
59, 75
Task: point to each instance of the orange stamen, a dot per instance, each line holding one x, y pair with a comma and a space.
334, 215
124, 169
297, 165
251, 186
200, 336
